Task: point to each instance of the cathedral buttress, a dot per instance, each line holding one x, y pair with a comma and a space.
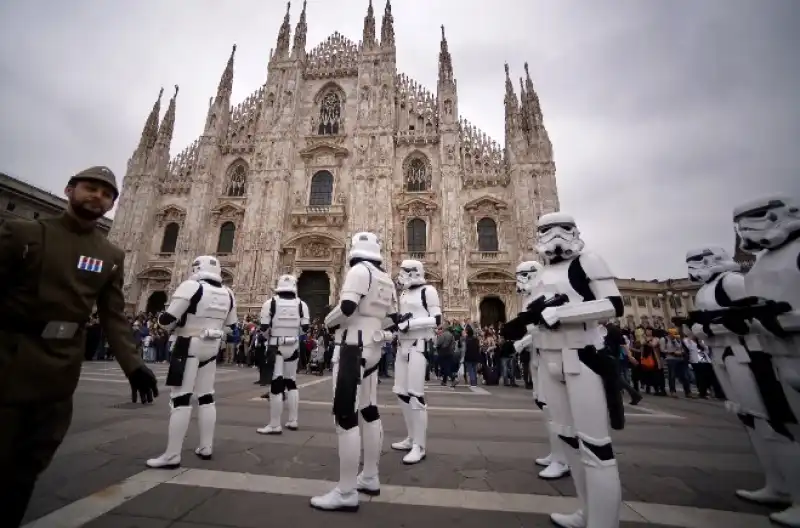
451, 218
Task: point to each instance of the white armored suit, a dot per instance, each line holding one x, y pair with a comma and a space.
366, 302
285, 316
200, 313
743, 369
771, 226
555, 463
420, 308
584, 393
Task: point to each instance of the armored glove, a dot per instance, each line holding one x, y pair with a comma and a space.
143, 384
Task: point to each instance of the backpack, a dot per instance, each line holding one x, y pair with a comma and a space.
648, 362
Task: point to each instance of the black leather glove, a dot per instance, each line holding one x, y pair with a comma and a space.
144, 384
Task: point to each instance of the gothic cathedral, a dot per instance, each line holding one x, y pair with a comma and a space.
337, 141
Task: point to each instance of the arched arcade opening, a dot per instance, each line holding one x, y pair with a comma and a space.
314, 287
156, 302
492, 311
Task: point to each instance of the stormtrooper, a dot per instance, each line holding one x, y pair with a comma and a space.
284, 316
744, 370
367, 307
771, 226
200, 312
421, 301
555, 463
577, 291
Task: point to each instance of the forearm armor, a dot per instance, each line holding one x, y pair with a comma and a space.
585, 312
420, 323
335, 317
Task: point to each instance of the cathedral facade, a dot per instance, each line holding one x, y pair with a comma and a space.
337, 141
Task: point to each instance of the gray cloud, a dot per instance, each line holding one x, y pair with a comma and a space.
663, 114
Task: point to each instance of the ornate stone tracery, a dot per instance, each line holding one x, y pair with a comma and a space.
227, 212
169, 214
236, 182
417, 173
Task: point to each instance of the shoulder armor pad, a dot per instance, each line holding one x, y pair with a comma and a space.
730, 287
595, 267
186, 289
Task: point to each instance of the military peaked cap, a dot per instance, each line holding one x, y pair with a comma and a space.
100, 174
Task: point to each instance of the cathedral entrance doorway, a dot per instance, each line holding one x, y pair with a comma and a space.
314, 287
492, 311
156, 302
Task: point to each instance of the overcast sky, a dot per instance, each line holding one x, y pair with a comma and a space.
663, 113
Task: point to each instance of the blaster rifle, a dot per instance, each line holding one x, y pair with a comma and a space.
397, 320
516, 328
735, 317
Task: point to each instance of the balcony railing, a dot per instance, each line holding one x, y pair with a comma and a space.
489, 257
319, 215
426, 257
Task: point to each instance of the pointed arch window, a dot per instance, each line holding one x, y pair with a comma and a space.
170, 239
487, 235
321, 189
237, 181
330, 114
418, 178
227, 233
416, 236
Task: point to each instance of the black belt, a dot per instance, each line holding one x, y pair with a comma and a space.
30, 326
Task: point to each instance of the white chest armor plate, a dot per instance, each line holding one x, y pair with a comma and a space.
372, 308
411, 302
706, 300
775, 275
286, 320
211, 313
553, 279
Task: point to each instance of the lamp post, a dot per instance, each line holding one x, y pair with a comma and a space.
667, 297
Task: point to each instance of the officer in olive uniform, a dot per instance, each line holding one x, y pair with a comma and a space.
52, 273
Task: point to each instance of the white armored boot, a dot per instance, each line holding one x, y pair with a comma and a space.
408, 443
178, 425
774, 490
603, 488
206, 422
557, 467
576, 519
368, 482
275, 412
787, 454
545, 461
344, 497
292, 404
418, 417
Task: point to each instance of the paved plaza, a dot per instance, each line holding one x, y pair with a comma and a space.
680, 463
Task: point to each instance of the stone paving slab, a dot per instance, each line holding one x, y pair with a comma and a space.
667, 465
194, 507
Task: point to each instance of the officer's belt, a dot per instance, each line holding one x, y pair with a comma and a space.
32, 327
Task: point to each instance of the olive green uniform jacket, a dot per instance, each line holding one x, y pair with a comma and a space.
56, 270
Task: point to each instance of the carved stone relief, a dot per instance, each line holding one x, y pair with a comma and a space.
315, 249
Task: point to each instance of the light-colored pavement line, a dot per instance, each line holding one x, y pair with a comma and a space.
89, 508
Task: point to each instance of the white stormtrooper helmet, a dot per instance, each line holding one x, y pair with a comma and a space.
286, 284
526, 272
206, 267
412, 273
705, 263
365, 246
766, 223
558, 236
